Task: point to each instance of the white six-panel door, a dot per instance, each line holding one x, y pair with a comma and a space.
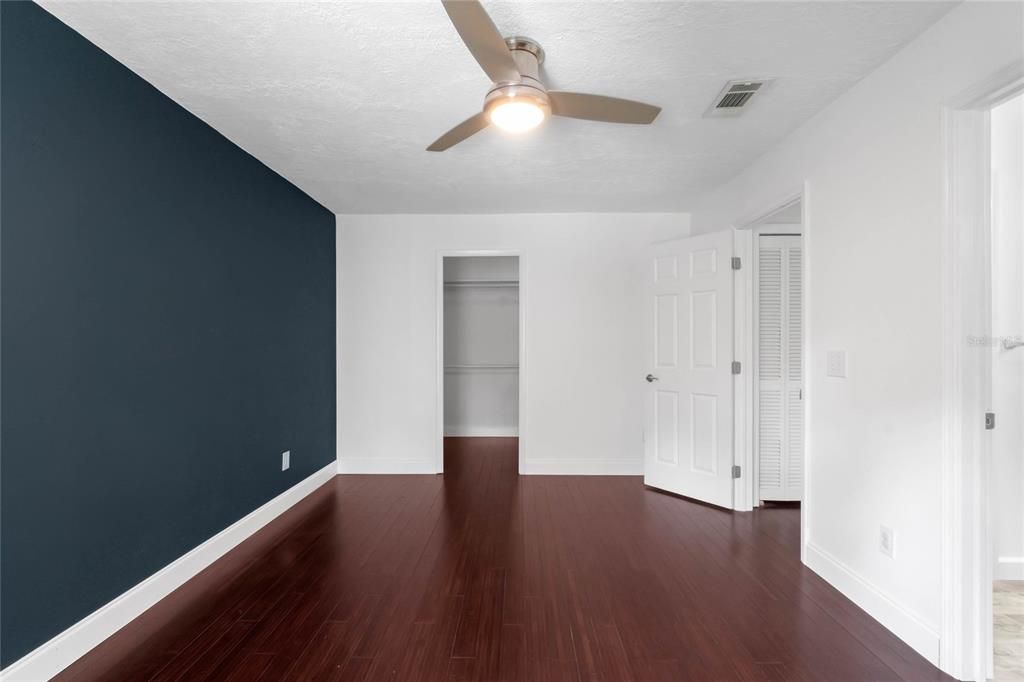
779, 404
688, 324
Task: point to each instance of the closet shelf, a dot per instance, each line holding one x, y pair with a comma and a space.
482, 283
480, 367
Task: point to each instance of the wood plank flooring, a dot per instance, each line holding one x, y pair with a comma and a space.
1008, 630
483, 575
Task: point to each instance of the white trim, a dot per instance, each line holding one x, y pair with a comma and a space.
55, 655
807, 259
439, 334
1010, 568
743, 350
966, 552
754, 339
901, 621
582, 467
542, 466
386, 465
1000, 87
481, 432
965, 311
339, 321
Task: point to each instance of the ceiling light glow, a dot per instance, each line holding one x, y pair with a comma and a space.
517, 114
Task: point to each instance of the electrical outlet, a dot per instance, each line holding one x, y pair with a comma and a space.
835, 364
286, 460
887, 541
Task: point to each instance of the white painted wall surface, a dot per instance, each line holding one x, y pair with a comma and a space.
582, 368
469, 268
481, 346
1008, 322
873, 166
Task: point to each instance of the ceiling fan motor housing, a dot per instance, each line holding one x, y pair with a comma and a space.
528, 55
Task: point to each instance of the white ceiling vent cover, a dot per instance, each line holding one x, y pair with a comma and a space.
734, 98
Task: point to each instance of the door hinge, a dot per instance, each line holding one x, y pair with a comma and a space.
736, 263
736, 471
736, 367
990, 421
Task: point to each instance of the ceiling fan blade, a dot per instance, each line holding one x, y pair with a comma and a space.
482, 38
471, 126
601, 108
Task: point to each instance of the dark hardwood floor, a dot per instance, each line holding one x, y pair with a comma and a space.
485, 575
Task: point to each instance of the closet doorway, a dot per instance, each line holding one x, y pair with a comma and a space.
1005, 343
480, 340
778, 382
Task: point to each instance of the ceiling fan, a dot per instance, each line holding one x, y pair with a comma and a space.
517, 100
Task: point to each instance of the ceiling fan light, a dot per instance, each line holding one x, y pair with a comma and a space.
517, 114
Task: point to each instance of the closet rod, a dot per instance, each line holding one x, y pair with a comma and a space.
483, 283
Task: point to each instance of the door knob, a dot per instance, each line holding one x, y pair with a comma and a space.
651, 378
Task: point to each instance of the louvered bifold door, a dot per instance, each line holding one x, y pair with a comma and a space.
779, 366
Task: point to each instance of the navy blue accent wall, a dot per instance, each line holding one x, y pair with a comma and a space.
167, 330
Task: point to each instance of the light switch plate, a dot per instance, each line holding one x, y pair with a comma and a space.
836, 364
286, 460
887, 541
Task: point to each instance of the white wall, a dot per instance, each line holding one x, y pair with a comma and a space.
581, 365
1008, 322
873, 166
481, 346
479, 268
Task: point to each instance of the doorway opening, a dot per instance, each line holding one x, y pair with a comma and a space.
982, 383
480, 337
777, 357
722, 309
1006, 515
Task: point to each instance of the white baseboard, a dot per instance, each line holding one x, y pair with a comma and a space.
50, 658
548, 467
908, 626
474, 432
1010, 568
385, 465
582, 467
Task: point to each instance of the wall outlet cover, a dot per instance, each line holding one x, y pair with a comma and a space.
286, 460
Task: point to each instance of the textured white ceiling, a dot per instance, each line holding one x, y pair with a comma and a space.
342, 98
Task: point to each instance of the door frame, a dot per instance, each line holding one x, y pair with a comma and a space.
965, 649
744, 344
439, 282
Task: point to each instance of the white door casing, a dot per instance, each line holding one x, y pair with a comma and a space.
688, 333
778, 408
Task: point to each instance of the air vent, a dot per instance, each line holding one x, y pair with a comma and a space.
734, 97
